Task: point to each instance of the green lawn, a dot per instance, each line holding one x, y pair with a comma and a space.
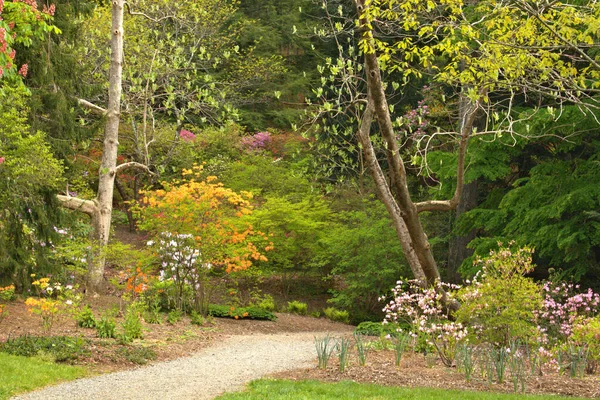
22, 374
314, 390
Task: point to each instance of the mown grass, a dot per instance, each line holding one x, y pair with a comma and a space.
21, 374
314, 390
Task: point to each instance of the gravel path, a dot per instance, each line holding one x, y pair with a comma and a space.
224, 367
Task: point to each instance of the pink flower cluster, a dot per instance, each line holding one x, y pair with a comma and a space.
187, 135
422, 308
32, 3
257, 141
562, 306
23, 70
49, 10
416, 119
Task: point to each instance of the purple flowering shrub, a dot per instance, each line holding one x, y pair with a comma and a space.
562, 307
256, 142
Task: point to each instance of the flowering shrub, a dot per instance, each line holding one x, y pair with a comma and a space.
47, 309
422, 310
54, 299
181, 263
21, 22
187, 135
586, 333
562, 307
257, 141
199, 226
7, 293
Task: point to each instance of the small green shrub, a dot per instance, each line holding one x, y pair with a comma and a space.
153, 315
370, 328
132, 326
337, 315
60, 348
106, 327
267, 303
197, 318
315, 314
85, 318
503, 302
586, 333
253, 312
174, 316
297, 307
137, 355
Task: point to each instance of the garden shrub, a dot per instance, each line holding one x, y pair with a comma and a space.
337, 315
85, 318
586, 333
297, 307
137, 355
174, 316
370, 328
252, 312
197, 318
132, 324
197, 225
267, 303
501, 304
106, 326
61, 348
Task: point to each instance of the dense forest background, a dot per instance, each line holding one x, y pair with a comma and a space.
236, 87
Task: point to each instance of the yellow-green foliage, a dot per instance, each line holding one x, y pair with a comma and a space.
587, 333
488, 45
500, 304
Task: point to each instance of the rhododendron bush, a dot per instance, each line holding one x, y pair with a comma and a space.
199, 226
547, 325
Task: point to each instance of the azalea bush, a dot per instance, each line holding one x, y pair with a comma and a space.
562, 307
199, 227
421, 312
54, 299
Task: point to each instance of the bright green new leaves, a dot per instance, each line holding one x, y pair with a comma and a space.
490, 46
20, 24
29, 175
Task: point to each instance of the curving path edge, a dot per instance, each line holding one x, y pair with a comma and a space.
224, 367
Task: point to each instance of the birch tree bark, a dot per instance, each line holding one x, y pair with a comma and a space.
100, 209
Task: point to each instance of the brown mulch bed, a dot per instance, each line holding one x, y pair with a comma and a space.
414, 372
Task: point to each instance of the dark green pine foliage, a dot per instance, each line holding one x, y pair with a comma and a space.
54, 79
544, 193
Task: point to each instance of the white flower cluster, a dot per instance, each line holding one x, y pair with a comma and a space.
181, 261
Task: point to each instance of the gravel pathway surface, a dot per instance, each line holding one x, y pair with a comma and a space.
225, 367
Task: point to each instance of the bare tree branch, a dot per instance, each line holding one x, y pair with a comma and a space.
88, 207
92, 107
131, 12
134, 164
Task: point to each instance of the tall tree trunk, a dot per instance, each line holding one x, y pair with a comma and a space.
108, 167
458, 250
395, 194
